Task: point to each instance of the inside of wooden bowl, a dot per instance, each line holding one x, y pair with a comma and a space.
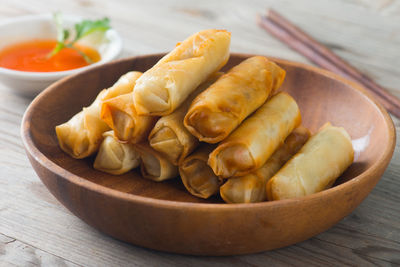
321, 99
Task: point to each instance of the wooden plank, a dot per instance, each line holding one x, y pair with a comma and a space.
366, 33
16, 253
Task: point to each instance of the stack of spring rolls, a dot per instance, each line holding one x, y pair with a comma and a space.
231, 134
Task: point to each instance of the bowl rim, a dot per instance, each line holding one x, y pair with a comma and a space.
52, 75
44, 161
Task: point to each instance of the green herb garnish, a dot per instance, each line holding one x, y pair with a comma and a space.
81, 30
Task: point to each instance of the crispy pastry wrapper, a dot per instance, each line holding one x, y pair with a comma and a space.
170, 137
315, 167
124, 85
216, 112
115, 157
154, 165
165, 86
198, 178
119, 114
81, 136
257, 138
251, 187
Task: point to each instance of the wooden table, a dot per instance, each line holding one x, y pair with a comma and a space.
37, 230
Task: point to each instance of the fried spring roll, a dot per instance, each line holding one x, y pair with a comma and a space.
216, 112
251, 188
155, 166
124, 85
165, 86
257, 138
120, 115
170, 137
82, 134
198, 178
115, 157
315, 167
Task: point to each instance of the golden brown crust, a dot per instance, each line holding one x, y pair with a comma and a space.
81, 136
217, 111
198, 178
251, 187
256, 139
315, 167
155, 166
170, 137
120, 115
164, 87
114, 157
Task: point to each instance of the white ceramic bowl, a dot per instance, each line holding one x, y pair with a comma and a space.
42, 26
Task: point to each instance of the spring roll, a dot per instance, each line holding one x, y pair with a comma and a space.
81, 136
119, 114
216, 112
124, 85
251, 187
170, 137
153, 165
198, 178
115, 157
257, 138
165, 86
315, 167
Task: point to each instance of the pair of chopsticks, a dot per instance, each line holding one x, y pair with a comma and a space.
300, 41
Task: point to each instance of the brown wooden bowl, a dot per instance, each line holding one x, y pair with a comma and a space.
164, 216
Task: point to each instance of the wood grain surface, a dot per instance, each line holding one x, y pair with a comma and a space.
36, 230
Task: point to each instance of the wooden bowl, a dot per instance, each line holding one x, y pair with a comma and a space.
163, 216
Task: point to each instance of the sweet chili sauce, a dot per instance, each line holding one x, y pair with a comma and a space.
33, 56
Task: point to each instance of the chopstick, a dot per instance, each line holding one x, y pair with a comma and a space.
303, 43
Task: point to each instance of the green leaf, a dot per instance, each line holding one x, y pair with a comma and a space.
87, 59
87, 27
82, 29
65, 34
56, 49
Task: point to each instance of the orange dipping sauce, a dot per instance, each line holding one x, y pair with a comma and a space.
33, 56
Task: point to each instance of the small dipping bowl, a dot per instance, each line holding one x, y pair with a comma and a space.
36, 27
